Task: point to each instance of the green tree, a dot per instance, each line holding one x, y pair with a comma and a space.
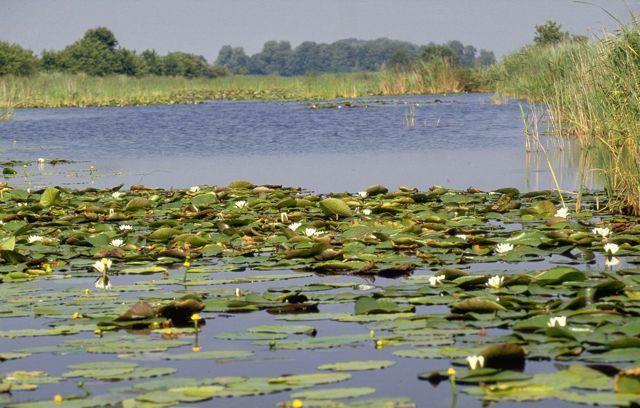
306, 58
234, 58
273, 59
485, 59
400, 59
550, 33
102, 35
94, 54
187, 65
431, 52
15, 60
130, 63
152, 62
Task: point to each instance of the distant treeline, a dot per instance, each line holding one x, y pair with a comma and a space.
98, 53
350, 55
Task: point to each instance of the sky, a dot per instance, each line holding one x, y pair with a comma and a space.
203, 27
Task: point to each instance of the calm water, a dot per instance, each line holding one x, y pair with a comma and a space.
457, 141
461, 141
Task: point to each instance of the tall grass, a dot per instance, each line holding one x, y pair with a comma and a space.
6, 111
64, 90
433, 77
592, 91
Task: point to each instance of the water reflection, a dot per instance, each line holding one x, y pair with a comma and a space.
456, 141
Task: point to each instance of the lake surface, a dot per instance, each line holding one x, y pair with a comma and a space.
456, 141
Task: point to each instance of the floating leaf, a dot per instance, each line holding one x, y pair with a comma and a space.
357, 365
335, 207
334, 393
49, 197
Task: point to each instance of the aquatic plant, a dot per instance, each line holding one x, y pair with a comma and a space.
419, 299
54, 90
591, 91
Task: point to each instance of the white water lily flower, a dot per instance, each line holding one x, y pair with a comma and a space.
461, 236
504, 248
364, 287
495, 282
194, 189
562, 212
41, 160
294, 226
366, 211
559, 321
117, 242
611, 261
603, 232
611, 248
125, 227
284, 217
435, 280
475, 362
111, 212
238, 292
103, 282
362, 194
241, 204
310, 231
34, 238
102, 265
117, 194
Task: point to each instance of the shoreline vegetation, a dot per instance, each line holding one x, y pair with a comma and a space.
590, 90
96, 71
55, 90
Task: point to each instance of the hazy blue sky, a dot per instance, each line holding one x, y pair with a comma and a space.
203, 27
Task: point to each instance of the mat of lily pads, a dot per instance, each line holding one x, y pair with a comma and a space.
151, 297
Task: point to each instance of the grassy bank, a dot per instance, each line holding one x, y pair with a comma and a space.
65, 90
591, 91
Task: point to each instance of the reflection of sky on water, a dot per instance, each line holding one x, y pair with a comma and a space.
460, 142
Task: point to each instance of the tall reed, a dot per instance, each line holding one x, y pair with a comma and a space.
65, 90
6, 111
591, 91
433, 77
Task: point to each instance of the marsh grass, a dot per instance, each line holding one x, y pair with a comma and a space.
66, 90
590, 91
6, 111
433, 77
